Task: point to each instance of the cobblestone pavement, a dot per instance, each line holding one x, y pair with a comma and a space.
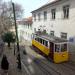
13, 70
35, 64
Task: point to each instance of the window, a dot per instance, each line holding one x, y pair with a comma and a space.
53, 11
66, 11
34, 29
63, 47
52, 33
45, 15
63, 35
46, 43
43, 41
40, 40
39, 16
57, 48
28, 26
34, 17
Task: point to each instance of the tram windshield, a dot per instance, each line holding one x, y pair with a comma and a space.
63, 47
57, 47
60, 47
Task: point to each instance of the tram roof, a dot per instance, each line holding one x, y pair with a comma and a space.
52, 38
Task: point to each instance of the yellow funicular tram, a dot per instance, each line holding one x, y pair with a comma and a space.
53, 47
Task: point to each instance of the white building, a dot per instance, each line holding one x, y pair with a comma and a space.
25, 29
57, 18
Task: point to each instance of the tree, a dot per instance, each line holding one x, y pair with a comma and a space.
6, 15
9, 37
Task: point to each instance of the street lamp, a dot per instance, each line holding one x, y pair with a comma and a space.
18, 50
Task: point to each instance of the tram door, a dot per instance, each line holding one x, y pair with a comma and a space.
51, 50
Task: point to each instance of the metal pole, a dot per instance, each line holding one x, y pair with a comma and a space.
14, 48
18, 50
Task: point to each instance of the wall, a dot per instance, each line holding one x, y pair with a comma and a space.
24, 32
59, 24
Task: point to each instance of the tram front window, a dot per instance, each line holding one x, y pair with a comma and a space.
63, 47
57, 48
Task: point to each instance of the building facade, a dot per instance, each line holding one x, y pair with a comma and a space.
25, 29
57, 18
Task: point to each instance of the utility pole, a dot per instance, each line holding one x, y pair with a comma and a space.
18, 50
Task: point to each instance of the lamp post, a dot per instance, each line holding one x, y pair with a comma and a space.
18, 50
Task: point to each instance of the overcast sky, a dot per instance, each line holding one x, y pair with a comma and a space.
30, 5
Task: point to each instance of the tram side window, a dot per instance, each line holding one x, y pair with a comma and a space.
40, 40
63, 47
57, 48
46, 43
43, 41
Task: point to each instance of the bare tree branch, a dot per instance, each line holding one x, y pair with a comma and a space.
6, 15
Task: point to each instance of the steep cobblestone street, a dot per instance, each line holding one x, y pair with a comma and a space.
45, 66
35, 64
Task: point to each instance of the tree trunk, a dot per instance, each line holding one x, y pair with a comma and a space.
8, 44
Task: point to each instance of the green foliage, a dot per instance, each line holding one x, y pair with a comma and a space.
8, 37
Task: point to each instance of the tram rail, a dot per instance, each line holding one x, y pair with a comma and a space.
66, 67
49, 70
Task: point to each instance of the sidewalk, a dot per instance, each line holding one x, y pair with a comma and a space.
13, 70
